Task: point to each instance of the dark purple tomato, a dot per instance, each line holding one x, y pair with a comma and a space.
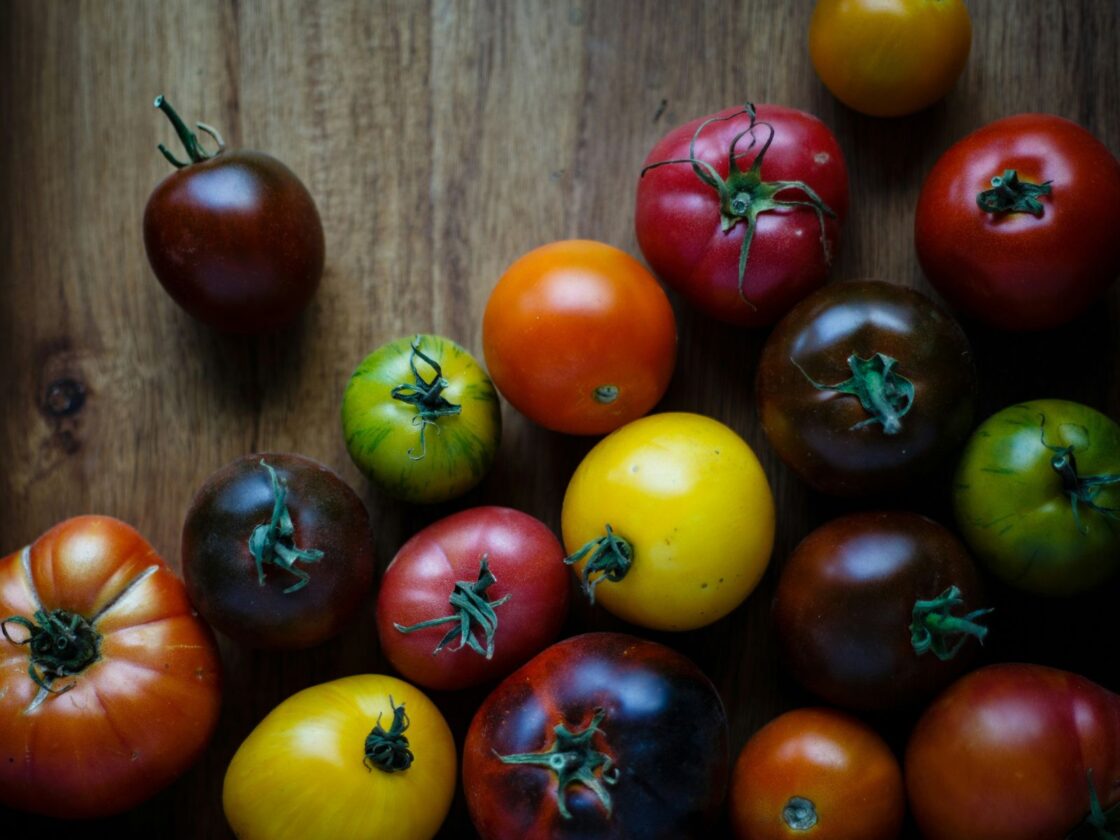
866, 386
277, 551
602, 735
234, 236
879, 610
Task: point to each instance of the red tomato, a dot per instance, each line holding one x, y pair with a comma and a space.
234, 237
1009, 753
1016, 223
818, 774
471, 597
579, 337
600, 735
109, 682
740, 248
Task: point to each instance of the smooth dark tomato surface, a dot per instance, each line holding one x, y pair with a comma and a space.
288, 608
845, 610
826, 435
642, 724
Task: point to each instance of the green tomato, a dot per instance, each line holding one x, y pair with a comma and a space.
1037, 496
422, 419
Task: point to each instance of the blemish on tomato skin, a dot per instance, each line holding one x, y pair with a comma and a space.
821, 158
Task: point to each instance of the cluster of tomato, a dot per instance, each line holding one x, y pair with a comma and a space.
863, 388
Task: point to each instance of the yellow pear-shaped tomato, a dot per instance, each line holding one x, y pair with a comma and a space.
361, 757
669, 521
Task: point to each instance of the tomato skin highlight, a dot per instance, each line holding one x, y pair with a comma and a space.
888, 58
820, 774
1005, 753
1015, 270
678, 218
663, 727
523, 555
691, 499
579, 337
138, 715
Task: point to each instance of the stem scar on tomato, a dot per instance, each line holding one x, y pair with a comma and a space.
388, 751
883, 392
574, 761
1082, 490
470, 606
934, 623
744, 195
611, 558
1010, 195
271, 542
61, 643
800, 814
426, 396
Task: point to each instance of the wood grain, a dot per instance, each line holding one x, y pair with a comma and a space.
441, 140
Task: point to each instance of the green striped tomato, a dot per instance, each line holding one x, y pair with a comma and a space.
421, 419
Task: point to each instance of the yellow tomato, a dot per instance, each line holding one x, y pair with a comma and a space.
330, 763
887, 58
678, 509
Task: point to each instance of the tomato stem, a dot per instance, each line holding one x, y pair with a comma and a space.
470, 607
188, 138
61, 643
388, 751
934, 625
882, 391
426, 396
271, 542
800, 814
1081, 489
574, 760
1098, 823
743, 195
1010, 195
611, 557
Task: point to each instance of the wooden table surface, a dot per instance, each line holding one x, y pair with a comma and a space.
441, 140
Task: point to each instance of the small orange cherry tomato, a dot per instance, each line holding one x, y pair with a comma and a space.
816, 774
887, 58
579, 337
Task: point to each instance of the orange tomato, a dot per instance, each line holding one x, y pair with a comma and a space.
887, 58
579, 337
816, 774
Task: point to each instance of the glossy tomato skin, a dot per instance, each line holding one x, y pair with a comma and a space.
663, 727
303, 772
527, 562
888, 58
135, 718
827, 437
678, 218
1015, 270
389, 441
579, 337
690, 498
221, 572
1005, 754
1014, 508
845, 604
836, 772
236, 241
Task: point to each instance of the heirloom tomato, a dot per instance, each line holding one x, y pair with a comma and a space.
1037, 496
740, 211
669, 521
109, 682
1016, 223
234, 236
864, 387
366, 757
875, 610
579, 337
471, 597
277, 551
819, 774
600, 735
1016, 752
422, 419
887, 58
